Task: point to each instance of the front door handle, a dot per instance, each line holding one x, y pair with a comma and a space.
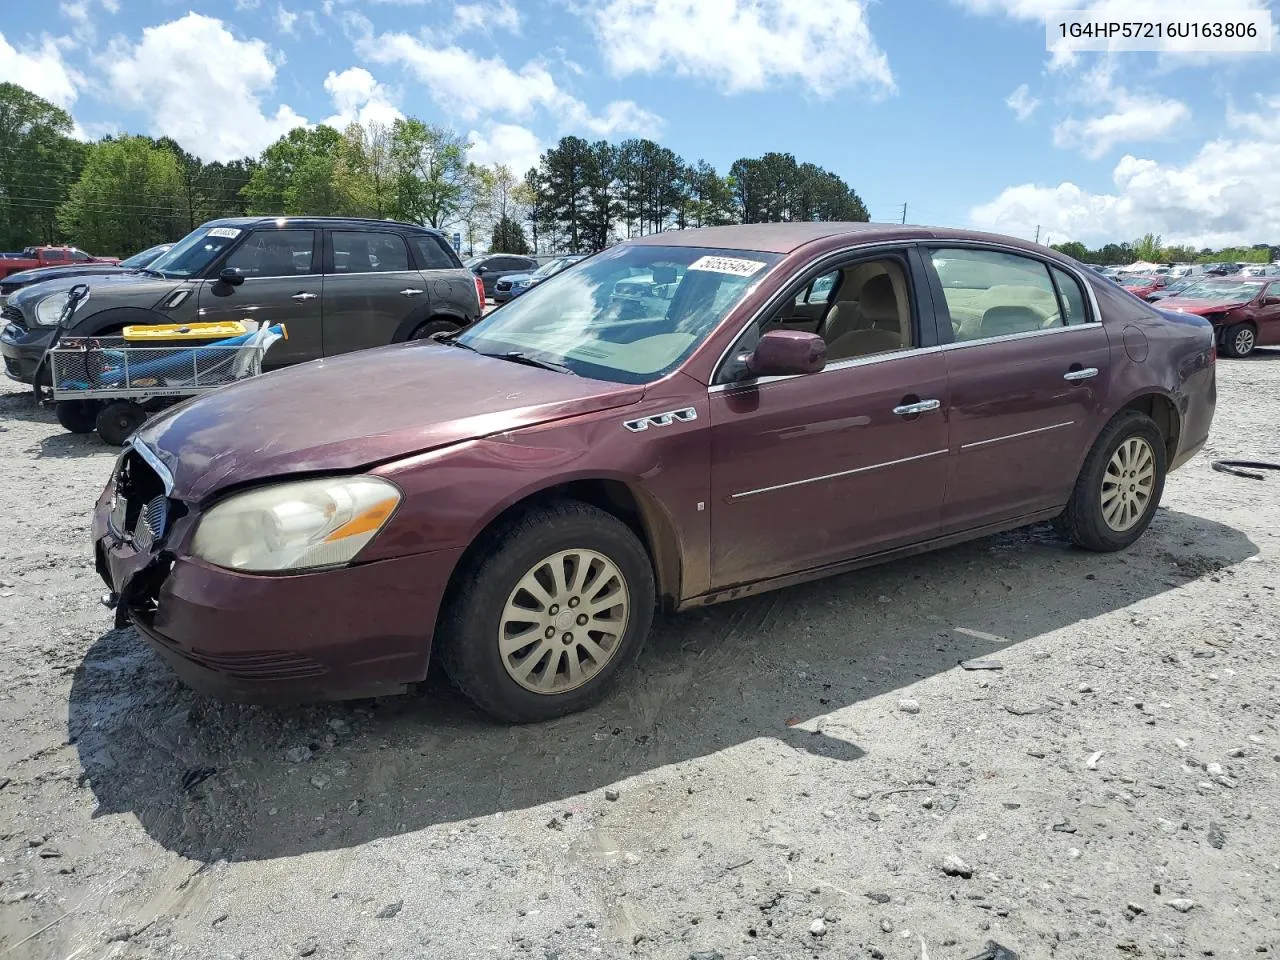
921, 406
410, 292
303, 297
1088, 373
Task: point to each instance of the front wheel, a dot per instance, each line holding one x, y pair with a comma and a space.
433, 328
1119, 487
77, 416
1239, 340
550, 609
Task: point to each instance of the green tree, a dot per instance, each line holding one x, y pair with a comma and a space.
364, 175
39, 163
296, 174
432, 174
508, 237
564, 178
601, 199
1074, 249
532, 194
1149, 248
126, 197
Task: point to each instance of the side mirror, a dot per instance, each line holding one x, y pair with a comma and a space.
232, 276
787, 353
482, 269
1271, 301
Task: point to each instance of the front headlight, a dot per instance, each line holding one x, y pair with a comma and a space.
49, 310
295, 526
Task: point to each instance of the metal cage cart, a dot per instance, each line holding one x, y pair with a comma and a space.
111, 385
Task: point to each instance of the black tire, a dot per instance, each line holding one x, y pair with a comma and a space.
1238, 340
433, 328
1083, 522
471, 620
77, 416
118, 420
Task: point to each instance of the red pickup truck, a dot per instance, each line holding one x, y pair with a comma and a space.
35, 257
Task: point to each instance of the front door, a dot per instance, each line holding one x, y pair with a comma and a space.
1269, 316
370, 288
282, 284
1028, 365
808, 471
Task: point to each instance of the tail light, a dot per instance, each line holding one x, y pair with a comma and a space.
480, 293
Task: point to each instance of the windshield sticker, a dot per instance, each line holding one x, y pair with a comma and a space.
729, 265
229, 232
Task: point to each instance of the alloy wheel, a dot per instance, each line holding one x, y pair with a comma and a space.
564, 621
1128, 483
1244, 341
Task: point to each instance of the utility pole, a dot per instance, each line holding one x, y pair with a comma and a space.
904, 214
1037, 233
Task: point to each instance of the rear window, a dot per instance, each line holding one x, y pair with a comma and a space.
434, 254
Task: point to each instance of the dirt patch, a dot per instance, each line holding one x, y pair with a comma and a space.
804, 773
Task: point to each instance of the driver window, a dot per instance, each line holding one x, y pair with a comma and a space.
274, 253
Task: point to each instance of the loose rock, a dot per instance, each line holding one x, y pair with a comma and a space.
1181, 904
909, 706
390, 910
818, 928
953, 866
1216, 837
611, 795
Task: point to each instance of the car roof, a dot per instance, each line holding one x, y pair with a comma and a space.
306, 221
785, 238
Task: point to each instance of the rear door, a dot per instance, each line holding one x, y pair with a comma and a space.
370, 288
1027, 364
282, 284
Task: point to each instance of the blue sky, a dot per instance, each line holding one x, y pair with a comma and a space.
952, 106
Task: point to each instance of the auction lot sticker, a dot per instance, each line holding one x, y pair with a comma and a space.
730, 265
1138, 27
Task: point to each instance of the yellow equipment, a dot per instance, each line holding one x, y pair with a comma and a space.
170, 332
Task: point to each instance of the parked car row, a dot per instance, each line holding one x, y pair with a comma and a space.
681, 419
337, 284
1244, 310
512, 285
24, 278
32, 258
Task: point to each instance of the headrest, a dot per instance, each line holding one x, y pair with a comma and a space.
1000, 321
879, 303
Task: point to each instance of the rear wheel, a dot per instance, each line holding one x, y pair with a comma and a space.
1239, 340
118, 420
1120, 486
433, 328
548, 612
77, 416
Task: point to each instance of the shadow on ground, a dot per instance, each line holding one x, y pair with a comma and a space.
209, 779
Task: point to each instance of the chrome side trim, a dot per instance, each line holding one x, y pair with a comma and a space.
154, 462
683, 415
1015, 436
836, 476
1025, 335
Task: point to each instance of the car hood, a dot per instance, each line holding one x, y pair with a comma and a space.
1200, 307
352, 411
40, 274
513, 277
125, 288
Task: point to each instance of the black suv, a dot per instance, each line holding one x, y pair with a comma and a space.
491, 267
338, 284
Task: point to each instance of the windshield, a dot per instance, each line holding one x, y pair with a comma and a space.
1222, 291
190, 255
1137, 282
473, 262
629, 315
140, 260
553, 267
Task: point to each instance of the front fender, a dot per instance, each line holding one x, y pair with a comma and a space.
92, 324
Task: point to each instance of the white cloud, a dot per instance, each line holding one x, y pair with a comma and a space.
358, 98
506, 143
1131, 117
201, 86
1022, 103
487, 17
745, 45
1228, 193
41, 70
286, 19
473, 87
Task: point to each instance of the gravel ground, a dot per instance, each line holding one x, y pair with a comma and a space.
802, 774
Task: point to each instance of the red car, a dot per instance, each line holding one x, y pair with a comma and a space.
682, 419
34, 258
1245, 311
1143, 286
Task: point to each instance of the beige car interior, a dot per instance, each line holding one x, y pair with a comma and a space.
1000, 310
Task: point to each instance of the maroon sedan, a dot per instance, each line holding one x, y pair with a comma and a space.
1245, 311
1143, 286
682, 419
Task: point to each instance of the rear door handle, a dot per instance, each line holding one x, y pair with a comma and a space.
410, 292
1088, 373
301, 297
922, 406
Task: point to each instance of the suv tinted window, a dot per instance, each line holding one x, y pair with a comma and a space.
79, 255
433, 253
991, 294
55, 255
367, 252
274, 253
